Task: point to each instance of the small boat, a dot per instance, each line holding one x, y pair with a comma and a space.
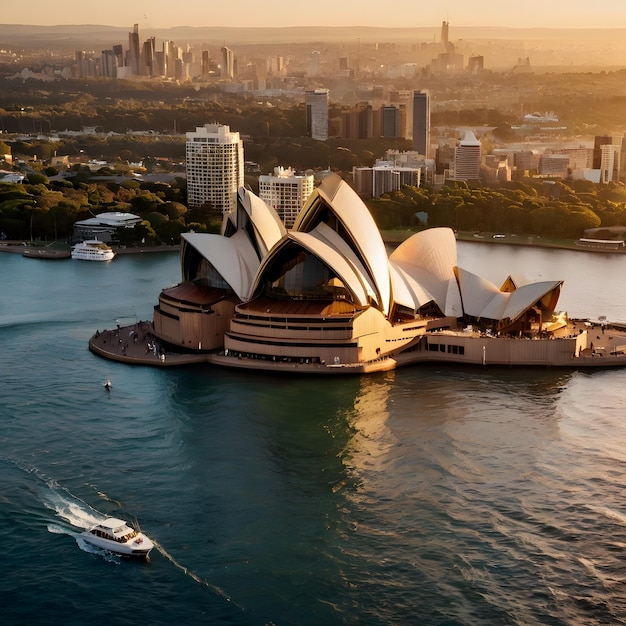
115, 535
108, 385
92, 250
45, 253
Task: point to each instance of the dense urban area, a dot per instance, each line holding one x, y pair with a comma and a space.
494, 133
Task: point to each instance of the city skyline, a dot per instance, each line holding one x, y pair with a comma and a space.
245, 13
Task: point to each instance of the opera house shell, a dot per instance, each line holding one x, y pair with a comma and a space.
327, 297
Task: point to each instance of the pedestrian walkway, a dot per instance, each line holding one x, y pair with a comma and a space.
137, 344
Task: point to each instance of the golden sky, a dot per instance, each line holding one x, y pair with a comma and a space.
399, 13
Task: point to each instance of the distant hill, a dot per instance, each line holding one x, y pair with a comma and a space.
79, 35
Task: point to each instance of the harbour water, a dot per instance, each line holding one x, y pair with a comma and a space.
428, 495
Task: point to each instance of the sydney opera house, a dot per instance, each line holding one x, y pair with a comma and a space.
328, 297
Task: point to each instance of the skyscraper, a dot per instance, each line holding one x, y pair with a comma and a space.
228, 63
445, 26
609, 163
467, 158
314, 66
598, 142
147, 57
421, 122
134, 51
109, 64
215, 166
622, 161
118, 51
392, 121
317, 114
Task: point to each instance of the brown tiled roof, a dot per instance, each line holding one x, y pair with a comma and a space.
299, 307
194, 294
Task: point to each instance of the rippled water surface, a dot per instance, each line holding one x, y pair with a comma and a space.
429, 495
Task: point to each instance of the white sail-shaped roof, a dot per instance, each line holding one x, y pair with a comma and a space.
359, 225
429, 258
481, 295
527, 295
325, 233
482, 299
234, 258
268, 226
336, 228
407, 291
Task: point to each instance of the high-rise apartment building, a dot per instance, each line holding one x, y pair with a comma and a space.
404, 99
215, 166
317, 114
315, 64
228, 63
392, 121
118, 51
109, 64
134, 51
421, 122
622, 161
609, 163
598, 142
358, 122
147, 57
467, 158
286, 192
384, 177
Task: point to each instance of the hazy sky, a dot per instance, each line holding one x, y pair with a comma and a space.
163, 13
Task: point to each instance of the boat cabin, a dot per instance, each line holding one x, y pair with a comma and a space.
114, 530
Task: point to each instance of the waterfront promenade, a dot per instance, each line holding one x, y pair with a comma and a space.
63, 252
136, 344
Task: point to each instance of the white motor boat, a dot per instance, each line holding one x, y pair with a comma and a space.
92, 250
115, 535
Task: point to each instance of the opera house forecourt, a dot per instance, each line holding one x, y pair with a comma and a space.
327, 298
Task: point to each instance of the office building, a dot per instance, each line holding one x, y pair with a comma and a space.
403, 98
467, 158
609, 163
286, 192
476, 64
147, 57
421, 122
215, 166
445, 33
358, 122
314, 65
118, 51
317, 114
392, 121
554, 165
108, 64
598, 142
228, 63
384, 177
134, 51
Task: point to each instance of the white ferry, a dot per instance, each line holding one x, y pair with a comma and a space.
92, 250
114, 535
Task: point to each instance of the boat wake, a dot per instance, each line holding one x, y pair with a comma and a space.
201, 581
84, 545
72, 516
